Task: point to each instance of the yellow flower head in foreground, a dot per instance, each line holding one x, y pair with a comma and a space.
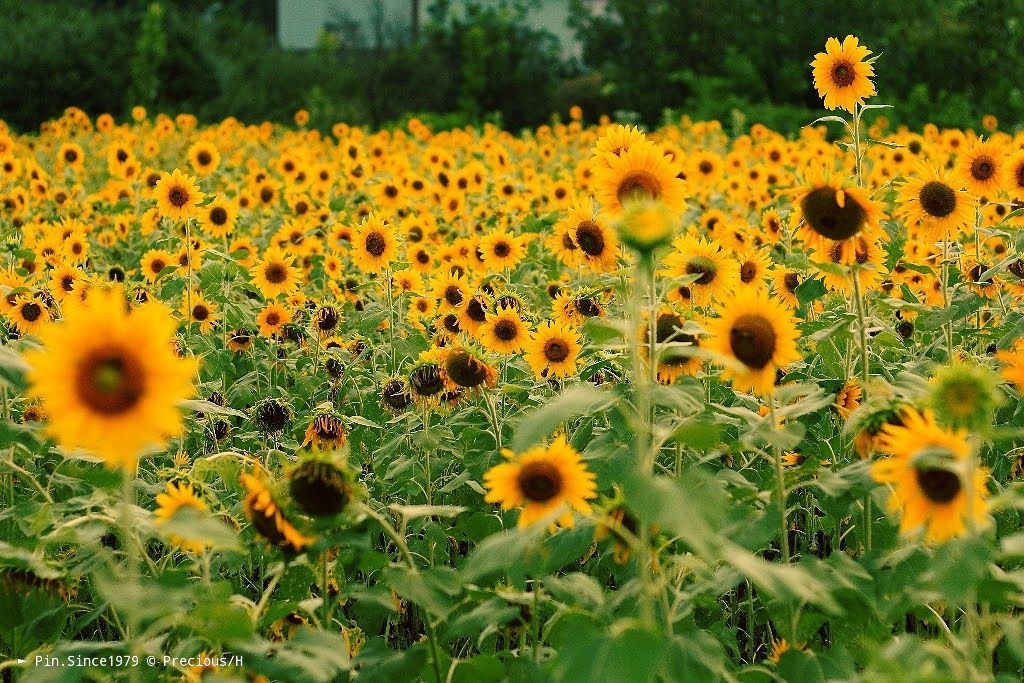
932, 487
265, 514
542, 481
109, 379
841, 75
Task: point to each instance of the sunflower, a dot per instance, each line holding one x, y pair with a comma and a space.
982, 169
641, 173
109, 379
584, 236
504, 331
29, 313
177, 195
200, 311
848, 398
325, 431
758, 335
272, 319
218, 217
204, 157
501, 250
754, 264
543, 481
674, 346
239, 340
374, 245
463, 368
965, 396
275, 274
266, 516
932, 200
451, 291
155, 262
616, 140
322, 485
932, 485
177, 497
829, 212
716, 272
553, 349
841, 75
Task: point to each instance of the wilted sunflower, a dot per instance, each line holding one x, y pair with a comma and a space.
542, 481
553, 349
841, 75
177, 497
109, 380
266, 516
275, 274
932, 486
931, 199
395, 395
272, 415
240, 340
326, 431
461, 367
640, 174
759, 335
504, 331
425, 377
322, 485
177, 195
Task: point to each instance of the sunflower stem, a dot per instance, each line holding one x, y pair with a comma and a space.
536, 621
780, 491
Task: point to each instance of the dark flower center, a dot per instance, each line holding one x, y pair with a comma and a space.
453, 295
204, 158
218, 215
200, 312
556, 350
375, 244
178, 196
748, 271
704, 267
638, 185
506, 330
539, 482
31, 311
110, 382
276, 273
752, 340
590, 237
465, 370
983, 168
938, 485
937, 199
843, 74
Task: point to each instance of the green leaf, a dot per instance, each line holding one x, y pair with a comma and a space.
542, 421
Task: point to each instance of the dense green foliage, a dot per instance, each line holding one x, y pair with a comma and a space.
472, 61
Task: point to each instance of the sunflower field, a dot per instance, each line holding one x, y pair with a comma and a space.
587, 402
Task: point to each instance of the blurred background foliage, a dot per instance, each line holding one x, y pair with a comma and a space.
468, 61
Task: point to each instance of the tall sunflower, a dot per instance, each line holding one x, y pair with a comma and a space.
504, 331
982, 169
542, 481
758, 335
716, 271
177, 195
109, 379
841, 76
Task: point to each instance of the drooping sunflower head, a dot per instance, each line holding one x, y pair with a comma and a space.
265, 514
462, 367
326, 430
395, 395
834, 213
841, 76
272, 415
425, 377
322, 485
